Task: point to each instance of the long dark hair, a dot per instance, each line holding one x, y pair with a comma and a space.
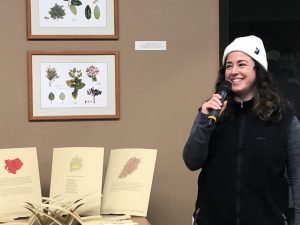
268, 104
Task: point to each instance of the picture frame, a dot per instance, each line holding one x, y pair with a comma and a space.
72, 19
73, 85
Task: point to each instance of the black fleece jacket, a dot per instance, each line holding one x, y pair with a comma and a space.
243, 161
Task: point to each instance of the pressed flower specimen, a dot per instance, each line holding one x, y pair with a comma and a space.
92, 72
13, 165
75, 82
76, 164
130, 166
94, 92
62, 97
73, 4
51, 96
51, 75
57, 12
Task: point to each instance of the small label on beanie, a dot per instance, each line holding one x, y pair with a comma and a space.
256, 51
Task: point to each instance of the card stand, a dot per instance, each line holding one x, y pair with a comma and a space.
54, 211
57, 210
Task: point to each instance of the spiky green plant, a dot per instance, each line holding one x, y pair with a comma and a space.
57, 12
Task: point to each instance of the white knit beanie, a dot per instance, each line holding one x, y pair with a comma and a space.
252, 46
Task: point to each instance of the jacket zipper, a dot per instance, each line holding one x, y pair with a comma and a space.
284, 219
240, 140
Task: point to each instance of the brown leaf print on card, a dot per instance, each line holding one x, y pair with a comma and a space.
130, 166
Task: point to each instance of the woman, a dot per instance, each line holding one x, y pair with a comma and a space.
245, 154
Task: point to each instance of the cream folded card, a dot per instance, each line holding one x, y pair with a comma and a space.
19, 181
77, 172
128, 181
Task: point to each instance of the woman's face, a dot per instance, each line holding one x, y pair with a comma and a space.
240, 70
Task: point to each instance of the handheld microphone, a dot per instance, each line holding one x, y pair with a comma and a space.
224, 89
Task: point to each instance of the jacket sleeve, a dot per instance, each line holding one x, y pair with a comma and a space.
293, 166
196, 148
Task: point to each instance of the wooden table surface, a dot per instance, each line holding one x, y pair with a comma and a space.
141, 220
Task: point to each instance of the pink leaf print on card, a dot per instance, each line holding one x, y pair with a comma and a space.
12, 166
130, 166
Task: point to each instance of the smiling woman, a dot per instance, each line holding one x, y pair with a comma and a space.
240, 67
240, 70
244, 154
283, 49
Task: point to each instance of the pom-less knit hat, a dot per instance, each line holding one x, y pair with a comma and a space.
252, 46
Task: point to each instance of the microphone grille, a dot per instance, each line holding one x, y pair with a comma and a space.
225, 85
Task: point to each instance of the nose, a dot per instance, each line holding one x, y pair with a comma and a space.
234, 69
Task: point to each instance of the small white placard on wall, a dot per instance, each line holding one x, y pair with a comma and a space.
151, 45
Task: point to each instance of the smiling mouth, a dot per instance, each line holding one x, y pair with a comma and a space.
235, 80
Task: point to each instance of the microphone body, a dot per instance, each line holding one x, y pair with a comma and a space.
224, 89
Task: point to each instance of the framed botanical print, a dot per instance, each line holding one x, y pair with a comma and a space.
73, 85
72, 19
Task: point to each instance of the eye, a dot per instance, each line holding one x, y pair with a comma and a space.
228, 66
242, 64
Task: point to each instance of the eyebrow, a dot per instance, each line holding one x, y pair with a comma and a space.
239, 61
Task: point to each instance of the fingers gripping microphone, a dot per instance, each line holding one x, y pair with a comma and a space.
224, 89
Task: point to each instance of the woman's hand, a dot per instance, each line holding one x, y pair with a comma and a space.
213, 103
